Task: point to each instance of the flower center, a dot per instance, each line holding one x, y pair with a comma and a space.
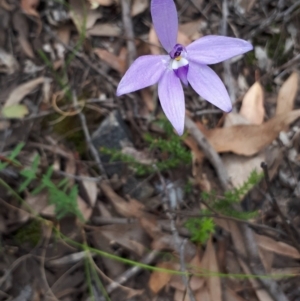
179, 62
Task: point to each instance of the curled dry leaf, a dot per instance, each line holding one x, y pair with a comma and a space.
253, 104
117, 63
158, 280
20, 92
129, 236
249, 139
30, 6
132, 208
83, 17
287, 94
277, 247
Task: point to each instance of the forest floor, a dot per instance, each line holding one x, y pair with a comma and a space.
100, 199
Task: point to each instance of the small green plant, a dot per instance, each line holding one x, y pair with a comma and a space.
177, 153
60, 194
31, 233
225, 205
200, 228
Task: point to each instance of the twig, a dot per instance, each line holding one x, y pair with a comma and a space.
291, 230
275, 16
209, 152
128, 30
256, 266
178, 242
100, 220
88, 139
226, 64
148, 259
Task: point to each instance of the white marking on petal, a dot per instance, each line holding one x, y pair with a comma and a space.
177, 64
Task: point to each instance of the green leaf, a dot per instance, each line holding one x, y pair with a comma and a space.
29, 174
15, 111
12, 156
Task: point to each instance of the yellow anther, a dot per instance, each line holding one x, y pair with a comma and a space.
178, 58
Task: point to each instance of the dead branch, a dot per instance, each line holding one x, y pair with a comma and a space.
209, 152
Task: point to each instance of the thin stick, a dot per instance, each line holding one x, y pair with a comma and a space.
88, 139
178, 242
148, 259
291, 230
209, 152
128, 28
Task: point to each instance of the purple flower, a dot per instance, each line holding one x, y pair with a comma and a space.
186, 64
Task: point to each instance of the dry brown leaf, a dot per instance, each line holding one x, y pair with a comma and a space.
83, 17
7, 6
20, 24
84, 208
26, 46
20, 92
105, 30
277, 247
91, 191
139, 6
249, 139
117, 63
30, 6
96, 3
213, 283
39, 203
239, 168
230, 295
129, 236
197, 156
63, 34
239, 245
147, 97
158, 280
253, 104
195, 282
192, 29
287, 94
132, 208
155, 46
183, 39
266, 258
181, 296
234, 119
203, 295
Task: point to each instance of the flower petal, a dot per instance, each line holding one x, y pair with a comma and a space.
165, 21
209, 86
145, 71
171, 98
215, 49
